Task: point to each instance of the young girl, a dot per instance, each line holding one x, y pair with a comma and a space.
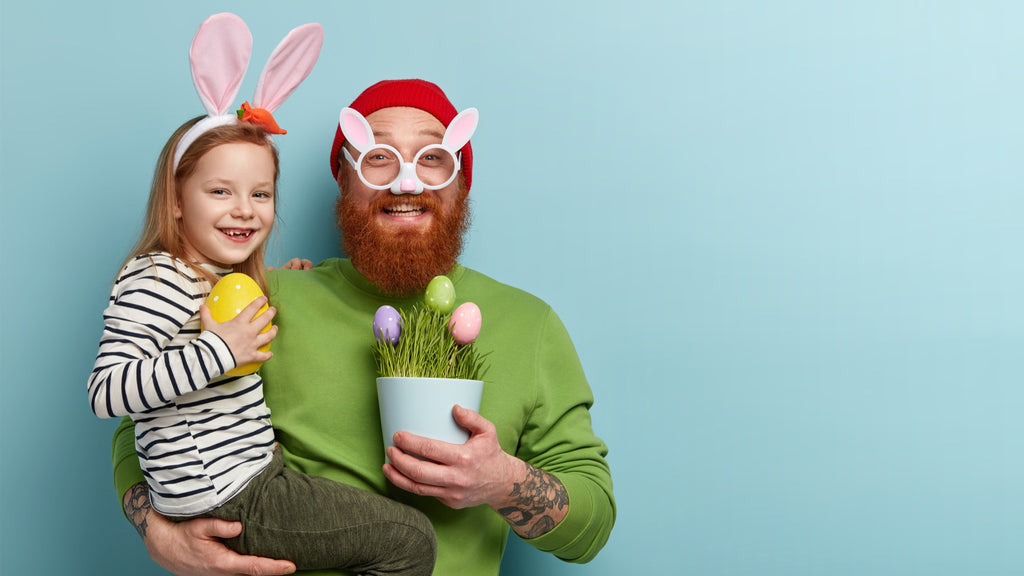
205, 441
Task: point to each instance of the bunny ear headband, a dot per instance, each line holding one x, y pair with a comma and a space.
220, 55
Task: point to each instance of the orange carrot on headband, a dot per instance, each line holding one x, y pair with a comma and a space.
260, 116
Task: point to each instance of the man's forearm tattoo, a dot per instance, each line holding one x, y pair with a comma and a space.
137, 508
534, 500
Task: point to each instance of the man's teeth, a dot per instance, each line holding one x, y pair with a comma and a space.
404, 210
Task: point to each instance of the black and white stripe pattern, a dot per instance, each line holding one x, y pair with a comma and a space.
200, 437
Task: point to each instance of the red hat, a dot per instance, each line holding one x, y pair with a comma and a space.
415, 93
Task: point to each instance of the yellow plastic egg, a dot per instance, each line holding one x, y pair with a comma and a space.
227, 299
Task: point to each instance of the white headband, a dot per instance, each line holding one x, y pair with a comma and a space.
219, 57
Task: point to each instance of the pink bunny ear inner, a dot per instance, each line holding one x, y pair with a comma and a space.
356, 129
288, 66
461, 129
219, 56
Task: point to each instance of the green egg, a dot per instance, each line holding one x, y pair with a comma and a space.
440, 295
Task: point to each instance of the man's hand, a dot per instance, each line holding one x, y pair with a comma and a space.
478, 472
295, 264
193, 547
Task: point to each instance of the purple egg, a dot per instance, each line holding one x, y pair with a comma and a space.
387, 324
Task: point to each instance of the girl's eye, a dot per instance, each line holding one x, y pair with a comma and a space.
219, 191
265, 195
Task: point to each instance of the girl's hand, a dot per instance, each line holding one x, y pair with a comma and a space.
242, 333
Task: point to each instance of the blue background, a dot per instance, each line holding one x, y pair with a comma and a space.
785, 237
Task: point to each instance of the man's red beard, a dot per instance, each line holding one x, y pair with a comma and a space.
402, 262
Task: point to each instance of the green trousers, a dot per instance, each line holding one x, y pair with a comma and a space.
321, 524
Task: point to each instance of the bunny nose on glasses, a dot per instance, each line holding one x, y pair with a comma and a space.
382, 167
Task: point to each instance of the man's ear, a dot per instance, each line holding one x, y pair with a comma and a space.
341, 175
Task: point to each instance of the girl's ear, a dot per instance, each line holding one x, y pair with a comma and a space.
176, 206
461, 129
356, 129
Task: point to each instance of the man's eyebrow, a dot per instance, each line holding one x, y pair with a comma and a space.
425, 132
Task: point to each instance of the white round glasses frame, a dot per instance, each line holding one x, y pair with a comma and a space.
407, 170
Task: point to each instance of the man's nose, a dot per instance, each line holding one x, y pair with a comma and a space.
407, 182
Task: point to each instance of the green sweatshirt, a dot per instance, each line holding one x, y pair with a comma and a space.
321, 389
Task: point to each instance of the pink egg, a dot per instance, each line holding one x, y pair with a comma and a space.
465, 323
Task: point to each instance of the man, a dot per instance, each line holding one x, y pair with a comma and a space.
532, 461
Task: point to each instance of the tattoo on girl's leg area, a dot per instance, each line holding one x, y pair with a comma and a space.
137, 508
535, 498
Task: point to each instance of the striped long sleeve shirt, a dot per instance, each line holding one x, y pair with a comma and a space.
200, 437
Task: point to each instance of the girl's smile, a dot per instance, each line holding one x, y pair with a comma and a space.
237, 234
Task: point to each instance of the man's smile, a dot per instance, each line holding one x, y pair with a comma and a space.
404, 209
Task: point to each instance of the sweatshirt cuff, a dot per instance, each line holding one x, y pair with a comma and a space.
573, 539
127, 472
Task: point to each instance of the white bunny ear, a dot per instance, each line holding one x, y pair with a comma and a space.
461, 129
356, 129
288, 66
219, 56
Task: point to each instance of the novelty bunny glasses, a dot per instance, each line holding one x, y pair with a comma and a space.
434, 167
381, 166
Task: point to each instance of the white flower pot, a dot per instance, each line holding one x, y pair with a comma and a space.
423, 406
